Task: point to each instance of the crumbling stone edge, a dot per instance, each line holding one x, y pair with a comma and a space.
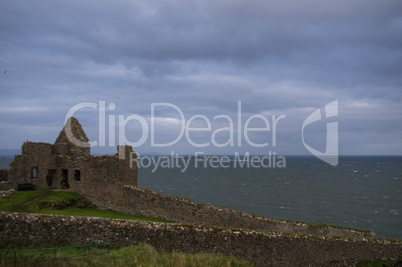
135, 200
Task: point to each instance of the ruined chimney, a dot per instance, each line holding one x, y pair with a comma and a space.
124, 151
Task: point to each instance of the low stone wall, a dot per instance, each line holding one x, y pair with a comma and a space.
138, 201
5, 186
8, 193
262, 248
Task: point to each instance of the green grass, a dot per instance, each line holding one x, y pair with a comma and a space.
139, 255
91, 212
379, 263
60, 203
7, 204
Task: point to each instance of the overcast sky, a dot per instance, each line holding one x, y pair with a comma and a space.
270, 58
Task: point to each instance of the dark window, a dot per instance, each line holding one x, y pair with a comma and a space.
64, 179
77, 175
49, 177
34, 172
26, 187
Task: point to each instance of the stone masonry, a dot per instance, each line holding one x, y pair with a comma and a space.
67, 164
262, 248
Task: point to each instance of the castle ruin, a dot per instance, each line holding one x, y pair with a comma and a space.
67, 164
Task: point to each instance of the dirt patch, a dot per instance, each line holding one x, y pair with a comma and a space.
34, 199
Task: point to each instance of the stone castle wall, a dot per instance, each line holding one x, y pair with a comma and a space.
262, 248
3, 175
40, 166
68, 164
36, 150
138, 201
34, 155
5, 186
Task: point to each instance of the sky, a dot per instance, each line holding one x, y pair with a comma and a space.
216, 77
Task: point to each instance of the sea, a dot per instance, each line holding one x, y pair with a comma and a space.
363, 192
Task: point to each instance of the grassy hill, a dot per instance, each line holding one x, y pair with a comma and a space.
138, 255
73, 204
60, 203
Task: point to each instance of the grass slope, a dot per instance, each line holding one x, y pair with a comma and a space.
139, 255
60, 203
73, 204
380, 263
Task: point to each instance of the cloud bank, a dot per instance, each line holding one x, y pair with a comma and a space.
276, 57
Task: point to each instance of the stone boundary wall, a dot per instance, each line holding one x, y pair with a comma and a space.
5, 186
262, 248
138, 201
8, 193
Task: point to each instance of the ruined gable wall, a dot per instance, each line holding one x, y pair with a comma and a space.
72, 131
68, 148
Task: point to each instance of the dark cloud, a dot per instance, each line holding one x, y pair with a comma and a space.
276, 57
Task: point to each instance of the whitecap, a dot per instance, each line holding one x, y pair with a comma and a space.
395, 212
